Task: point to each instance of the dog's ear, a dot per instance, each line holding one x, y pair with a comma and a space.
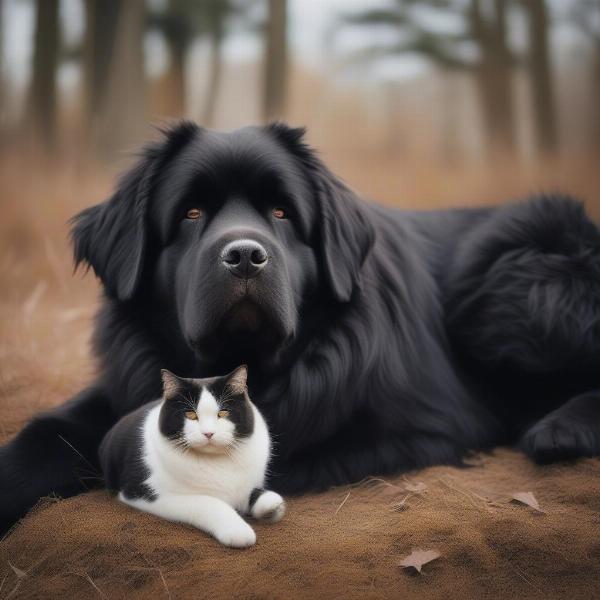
347, 234
111, 237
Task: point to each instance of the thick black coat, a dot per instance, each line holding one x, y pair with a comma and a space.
388, 339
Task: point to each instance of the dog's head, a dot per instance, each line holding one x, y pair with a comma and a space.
230, 234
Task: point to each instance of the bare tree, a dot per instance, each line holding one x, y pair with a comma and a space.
494, 73
276, 61
2, 90
101, 19
217, 14
42, 92
491, 66
544, 109
181, 23
123, 119
586, 16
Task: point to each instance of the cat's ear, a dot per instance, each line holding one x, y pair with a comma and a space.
172, 384
237, 380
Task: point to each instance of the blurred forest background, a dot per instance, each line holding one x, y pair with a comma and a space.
416, 103
457, 85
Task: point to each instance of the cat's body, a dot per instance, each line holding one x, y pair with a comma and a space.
198, 456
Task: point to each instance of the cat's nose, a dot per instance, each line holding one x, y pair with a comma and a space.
209, 434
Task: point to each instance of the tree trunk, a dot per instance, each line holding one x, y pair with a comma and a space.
101, 20
178, 50
541, 77
214, 79
2, 89
42, 93
494, 77
276, 64
177, 30
595, 129
123, 120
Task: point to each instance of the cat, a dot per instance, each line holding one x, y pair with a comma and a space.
198, 455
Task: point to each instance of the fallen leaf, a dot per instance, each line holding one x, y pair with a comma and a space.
528, 499
417, 558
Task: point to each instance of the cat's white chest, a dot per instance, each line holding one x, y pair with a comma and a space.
230, 477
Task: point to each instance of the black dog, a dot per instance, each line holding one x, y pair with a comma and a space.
378, 339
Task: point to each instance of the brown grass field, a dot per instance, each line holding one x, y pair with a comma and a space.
347, 542
47, 310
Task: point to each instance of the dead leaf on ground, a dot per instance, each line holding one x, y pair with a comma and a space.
417, 558
528, 499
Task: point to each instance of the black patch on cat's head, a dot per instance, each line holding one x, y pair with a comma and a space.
182, 394
231, 393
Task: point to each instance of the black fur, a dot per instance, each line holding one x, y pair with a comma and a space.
377, 339
121, 456
255, 494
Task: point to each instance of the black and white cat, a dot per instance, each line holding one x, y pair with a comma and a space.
199, 456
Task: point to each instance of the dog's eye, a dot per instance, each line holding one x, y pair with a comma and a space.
279, 213
223, 413
191, 414
193, 213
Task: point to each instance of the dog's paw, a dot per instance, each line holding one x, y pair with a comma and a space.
236, 535
269, 506
555, 439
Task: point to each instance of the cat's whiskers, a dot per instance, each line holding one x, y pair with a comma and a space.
181, 444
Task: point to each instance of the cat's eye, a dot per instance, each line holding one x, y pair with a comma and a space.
191, 414
223, 413
279, 213
193, 214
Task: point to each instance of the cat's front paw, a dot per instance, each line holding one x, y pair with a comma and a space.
236, 535
269, 506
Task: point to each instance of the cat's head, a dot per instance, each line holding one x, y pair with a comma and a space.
206, 415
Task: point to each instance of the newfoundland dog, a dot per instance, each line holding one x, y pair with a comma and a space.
377, 339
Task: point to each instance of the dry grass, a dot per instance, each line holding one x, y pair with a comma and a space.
350, 538
347, 542
46, 310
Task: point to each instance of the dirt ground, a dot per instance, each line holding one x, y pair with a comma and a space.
346, 543
343, 543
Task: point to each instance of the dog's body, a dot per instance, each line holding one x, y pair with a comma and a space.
378, 339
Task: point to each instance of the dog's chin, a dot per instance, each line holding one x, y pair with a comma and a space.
244, 333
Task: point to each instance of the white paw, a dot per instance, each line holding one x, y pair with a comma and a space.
238, 535
270, 506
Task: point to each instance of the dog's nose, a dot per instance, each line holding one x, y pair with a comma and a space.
244, 258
